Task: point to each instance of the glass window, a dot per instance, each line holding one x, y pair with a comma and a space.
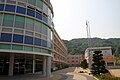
37, 42
49, 33
5, 46
38, 26
18, 31
1, 18
19, 22
44, 19
17, 47
48, 44
10, 8
33, 2
44, 29
44, 43
37, 35
21, 10
39, 4
45, 8
22, 4
29, 24
28, 33
11, 1
2, 0
44, 51
1, 7
8, 20
5, 37
23, 0
30, 12
28, 40
37, 49
38, 15
17, 38
6, 29
28, 48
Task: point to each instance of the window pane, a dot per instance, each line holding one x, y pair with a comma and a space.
6, 29
5, 46
48, 44
11, 1
5, 37
1, 18
28, 48
8, 20
23, 0
44, 19
44, 29
39, 4
2, 0
17, 47
21, 10
19, 22
33, 2
10, 8
38, 15
37, 49
44, 43
45, 8
1, 7
18, 31
37, 42
38, 26
18, 38
30, 12
29, 33
22, 4
28, 40
29, 24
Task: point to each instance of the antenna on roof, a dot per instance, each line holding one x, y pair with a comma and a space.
88, 32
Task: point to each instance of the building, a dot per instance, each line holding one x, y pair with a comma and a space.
59, 59
107, 55
25, 36
75, 60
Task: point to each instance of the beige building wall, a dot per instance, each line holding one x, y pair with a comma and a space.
75, 60
59, 53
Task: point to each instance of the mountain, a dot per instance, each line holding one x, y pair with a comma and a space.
78, 46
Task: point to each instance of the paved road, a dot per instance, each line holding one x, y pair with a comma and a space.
65, 74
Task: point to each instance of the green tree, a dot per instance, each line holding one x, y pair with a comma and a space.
84, 64
98, 65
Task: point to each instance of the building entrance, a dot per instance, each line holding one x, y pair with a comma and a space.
4, 63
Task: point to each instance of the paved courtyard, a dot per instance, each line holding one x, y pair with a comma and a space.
64, 74
115, 72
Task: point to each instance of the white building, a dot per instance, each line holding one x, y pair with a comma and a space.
107, 55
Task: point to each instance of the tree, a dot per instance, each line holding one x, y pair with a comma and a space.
84, 64
98, 65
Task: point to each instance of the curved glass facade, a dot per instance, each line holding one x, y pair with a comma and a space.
25, 25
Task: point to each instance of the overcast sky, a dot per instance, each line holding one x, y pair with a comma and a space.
70, 18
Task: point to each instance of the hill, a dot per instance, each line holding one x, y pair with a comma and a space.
78, 46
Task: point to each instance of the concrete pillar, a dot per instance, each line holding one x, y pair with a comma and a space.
44, 66
11, 65
33, 64
106, 63
48, 68
114, 63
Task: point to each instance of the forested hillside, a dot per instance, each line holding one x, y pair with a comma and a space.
78, 46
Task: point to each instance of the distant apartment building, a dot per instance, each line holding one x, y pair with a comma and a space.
75, 60
59, 59
107, 55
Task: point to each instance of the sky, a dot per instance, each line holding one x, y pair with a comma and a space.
70, 18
